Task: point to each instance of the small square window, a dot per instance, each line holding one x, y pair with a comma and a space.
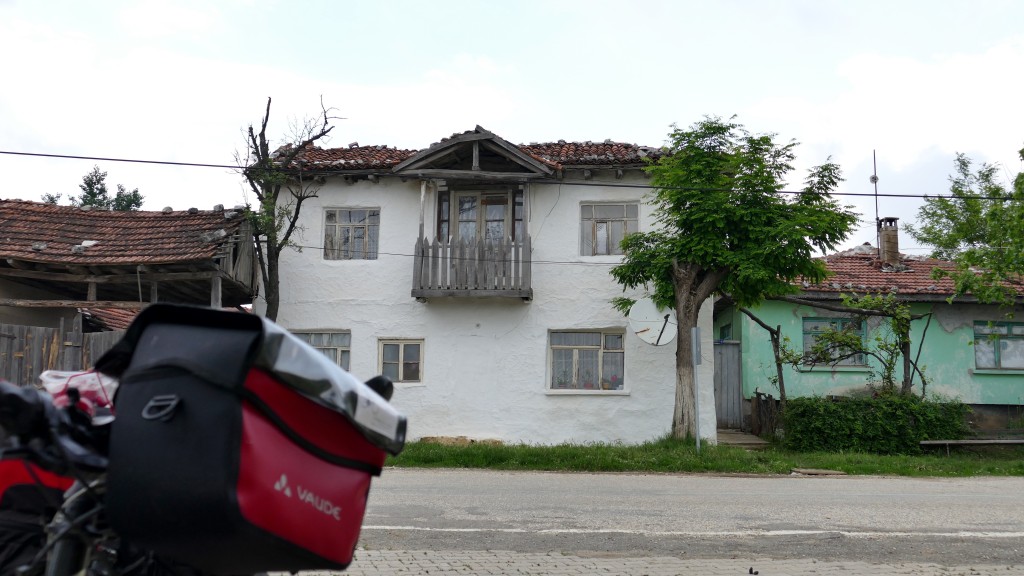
402, 360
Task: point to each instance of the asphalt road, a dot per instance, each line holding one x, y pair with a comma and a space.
869, 519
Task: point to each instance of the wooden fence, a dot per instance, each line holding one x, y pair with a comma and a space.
28, 351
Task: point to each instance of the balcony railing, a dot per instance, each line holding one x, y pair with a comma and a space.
472, 268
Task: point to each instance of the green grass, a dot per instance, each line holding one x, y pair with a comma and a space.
673, 456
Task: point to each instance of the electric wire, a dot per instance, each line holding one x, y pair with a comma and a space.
341, 172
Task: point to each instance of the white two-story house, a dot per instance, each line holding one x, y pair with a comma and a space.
475, 274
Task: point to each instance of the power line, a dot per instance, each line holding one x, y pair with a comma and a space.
340, 172
98, 158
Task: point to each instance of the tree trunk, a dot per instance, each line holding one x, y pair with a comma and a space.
776, 345
684, 423
272, 288
908, 369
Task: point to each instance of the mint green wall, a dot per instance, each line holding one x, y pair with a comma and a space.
947, 357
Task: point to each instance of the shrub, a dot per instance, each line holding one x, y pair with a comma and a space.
883, 424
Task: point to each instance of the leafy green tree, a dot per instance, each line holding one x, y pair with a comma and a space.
726, 226
277, 179
95, 193
980, 227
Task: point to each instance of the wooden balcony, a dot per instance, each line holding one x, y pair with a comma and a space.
472, 268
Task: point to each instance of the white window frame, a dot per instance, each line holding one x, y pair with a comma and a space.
340, 354
595, 230
1000, 339
579, 382
401, 376
370, 229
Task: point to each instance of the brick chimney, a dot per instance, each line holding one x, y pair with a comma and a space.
888, 241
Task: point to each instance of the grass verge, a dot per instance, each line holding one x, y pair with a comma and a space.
674, 456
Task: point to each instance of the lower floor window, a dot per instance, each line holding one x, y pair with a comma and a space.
401, 360
334, 345
587, 361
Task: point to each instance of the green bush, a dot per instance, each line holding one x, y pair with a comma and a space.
883, 424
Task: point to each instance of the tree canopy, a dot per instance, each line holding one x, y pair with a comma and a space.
94, 193
726, 225
980, 227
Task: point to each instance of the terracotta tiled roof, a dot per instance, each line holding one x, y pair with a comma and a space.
555, 154
356, 157
605, 153
44, 233
859, 270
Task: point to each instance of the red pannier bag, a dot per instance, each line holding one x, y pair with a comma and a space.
29, 497
238, 448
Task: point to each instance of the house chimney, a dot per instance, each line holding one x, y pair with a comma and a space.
888, 241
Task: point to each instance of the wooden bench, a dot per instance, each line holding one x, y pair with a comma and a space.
972, 442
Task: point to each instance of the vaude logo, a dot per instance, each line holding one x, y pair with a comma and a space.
282, 486
308, 497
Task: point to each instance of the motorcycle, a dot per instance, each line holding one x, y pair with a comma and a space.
230, 447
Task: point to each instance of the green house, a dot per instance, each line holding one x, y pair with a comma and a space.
966, 350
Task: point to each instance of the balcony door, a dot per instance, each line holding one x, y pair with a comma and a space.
484, 215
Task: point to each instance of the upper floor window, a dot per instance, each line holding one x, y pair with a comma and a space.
999, 345
488, 215
334, 345
587, 360
351, 233
603, 226
815, 327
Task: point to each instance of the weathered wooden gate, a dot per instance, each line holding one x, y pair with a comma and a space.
728, 385
28, 351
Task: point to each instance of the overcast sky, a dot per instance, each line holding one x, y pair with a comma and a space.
177, 81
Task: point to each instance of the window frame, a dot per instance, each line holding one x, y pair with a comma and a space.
401, 363
615, 383
342, 353
989, 331
370, 229
448, 221
859, 361
592, 230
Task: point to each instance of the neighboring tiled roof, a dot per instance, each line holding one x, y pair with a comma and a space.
111, 318
555, 154
45, 233
859, 270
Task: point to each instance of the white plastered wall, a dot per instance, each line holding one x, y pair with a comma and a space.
485, 369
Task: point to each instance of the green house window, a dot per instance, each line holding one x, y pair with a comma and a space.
815, 327
999, 345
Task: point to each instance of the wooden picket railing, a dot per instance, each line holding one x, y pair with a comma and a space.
472, 268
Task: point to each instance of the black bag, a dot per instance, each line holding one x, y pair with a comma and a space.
238, 448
